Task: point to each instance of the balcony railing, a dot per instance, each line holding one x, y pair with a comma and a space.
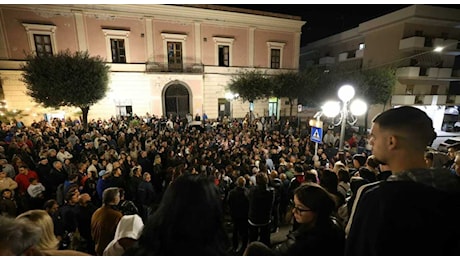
350, 55
326, 60
425, 43
421, 99
433, 72
178, 68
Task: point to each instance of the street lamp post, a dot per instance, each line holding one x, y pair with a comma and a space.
348, 112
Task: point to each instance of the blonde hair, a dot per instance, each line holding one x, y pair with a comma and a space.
42, 219
339, 166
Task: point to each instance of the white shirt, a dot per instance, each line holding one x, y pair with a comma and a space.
35, 190
61, 156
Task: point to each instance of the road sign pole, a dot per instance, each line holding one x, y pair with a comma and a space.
316, 134
316, 144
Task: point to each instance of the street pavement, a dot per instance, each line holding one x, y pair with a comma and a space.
275, 238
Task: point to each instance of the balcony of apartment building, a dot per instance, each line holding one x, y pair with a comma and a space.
347, 60
428, 74
352, 59
424, 43
419, 99
165, 67
447, 94
327, 60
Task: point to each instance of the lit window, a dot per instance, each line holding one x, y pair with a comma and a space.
117, 47
117, 44
361, 46
275, 58
223, 47
275, 54
173, 48
174, 55
43, 45
224, 55
42, 38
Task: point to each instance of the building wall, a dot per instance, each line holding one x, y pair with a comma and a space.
261, 37
240, 46
82, 27
424, 77
96, 39
382, 46
18, 42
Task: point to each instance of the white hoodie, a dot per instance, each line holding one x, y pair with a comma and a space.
130, 226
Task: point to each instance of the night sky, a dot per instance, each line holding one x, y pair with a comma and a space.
327, 19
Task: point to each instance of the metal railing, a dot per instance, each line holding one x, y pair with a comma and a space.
181, 68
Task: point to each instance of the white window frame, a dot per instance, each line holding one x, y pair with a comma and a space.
226, 41
116, 34
43, 29
173, 37
278, 46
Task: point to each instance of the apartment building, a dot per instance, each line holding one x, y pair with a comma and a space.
164, 59
421, 41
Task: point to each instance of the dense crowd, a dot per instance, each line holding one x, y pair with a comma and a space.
155, 186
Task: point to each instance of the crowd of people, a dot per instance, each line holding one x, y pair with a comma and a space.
150, 186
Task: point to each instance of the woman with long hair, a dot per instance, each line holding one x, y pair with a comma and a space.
42, 219
188, 221
48, 243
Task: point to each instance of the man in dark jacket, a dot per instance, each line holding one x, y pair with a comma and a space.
261, 199
85, 210
415, 212
145, 196
238, 204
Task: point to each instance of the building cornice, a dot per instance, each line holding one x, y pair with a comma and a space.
339, 38
420, 14
184, 14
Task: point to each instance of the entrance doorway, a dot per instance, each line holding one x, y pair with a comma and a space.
177, 101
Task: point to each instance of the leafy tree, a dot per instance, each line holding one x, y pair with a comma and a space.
251, 85
317, 86
378, 85
374, 85
66, 79
7, 116
288, 85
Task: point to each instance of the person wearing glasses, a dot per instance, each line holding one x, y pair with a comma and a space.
319, 232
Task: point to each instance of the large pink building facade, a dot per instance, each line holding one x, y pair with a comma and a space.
164, 59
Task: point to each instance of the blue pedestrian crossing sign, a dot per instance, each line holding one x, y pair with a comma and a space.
316, 134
